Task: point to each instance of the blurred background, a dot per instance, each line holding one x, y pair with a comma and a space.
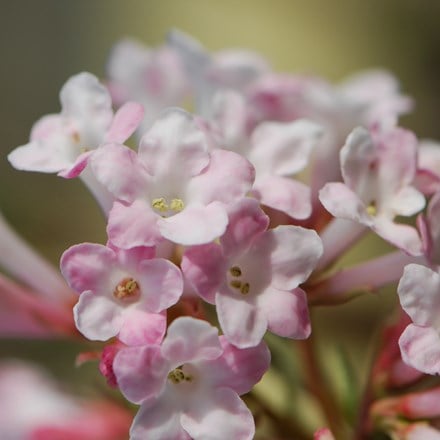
44, 42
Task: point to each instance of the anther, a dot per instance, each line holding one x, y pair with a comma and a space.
177, 205
127, 288
244, 289
160, 204
235, 284
235, 271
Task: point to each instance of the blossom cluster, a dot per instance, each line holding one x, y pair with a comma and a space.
225, 223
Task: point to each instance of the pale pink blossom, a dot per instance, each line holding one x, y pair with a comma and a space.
174, 188
276, 150
378, 170
62, 143
232, 69
189, 386
152, 76
122, 292
253, 275
419, 294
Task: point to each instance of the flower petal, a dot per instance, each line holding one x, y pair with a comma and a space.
117, 168
243, 324
161, 284
238, 368
190, 339
97, 317
140, 373
142, 328
218, 416
286, 312
284, 194
342, 202
420, 348
196, 224
133, 225
419, 294
87, 266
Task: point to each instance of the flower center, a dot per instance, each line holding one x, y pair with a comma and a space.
128, 288
372, 209
166, 208
179, 376
236, 282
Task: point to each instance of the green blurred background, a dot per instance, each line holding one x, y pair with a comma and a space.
43, 42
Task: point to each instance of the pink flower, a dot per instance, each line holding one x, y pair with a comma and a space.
189, 386
276, 150
419, 294
86, 121
378, 169
154, 77
174, 188
122, 292
253, 275
62, 143
225, 70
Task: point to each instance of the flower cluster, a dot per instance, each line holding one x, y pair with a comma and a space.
230, 219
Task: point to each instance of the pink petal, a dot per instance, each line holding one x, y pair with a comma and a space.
408, 201
190, 340
218, 416
45, 127
246, 221
97, 317
43, 156
117, 168
77, 167
133, 225
196, 224
243, 323
342, 202
142, 328
419, 294
87, 266
285, 195
160, 421
85, 98
205, 268
238, 368
141, 373
174, 141
403, 236
125, 122
292, 254
161, 284
228, 178
420, 348
283, 149
287, 313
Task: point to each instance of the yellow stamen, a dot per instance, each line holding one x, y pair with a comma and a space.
177, 376
235, 284
160, 204
177, 205
235, 271
371, 209
245, 288
127, 288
